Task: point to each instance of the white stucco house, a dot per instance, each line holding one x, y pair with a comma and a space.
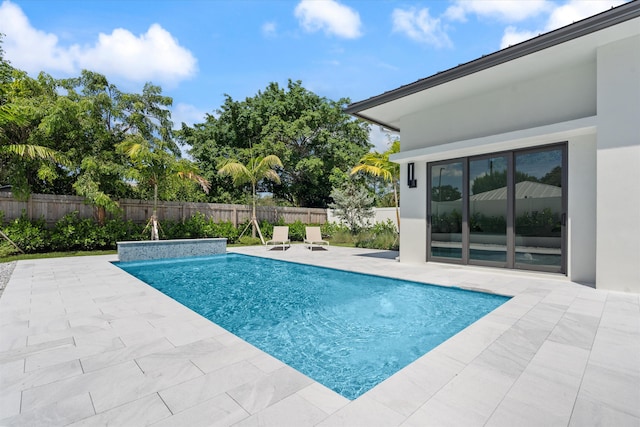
528, 158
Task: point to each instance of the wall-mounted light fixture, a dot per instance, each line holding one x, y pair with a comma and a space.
411, 175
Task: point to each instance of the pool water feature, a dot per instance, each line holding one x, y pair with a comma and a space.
347, 331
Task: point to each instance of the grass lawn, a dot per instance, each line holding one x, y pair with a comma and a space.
54, 255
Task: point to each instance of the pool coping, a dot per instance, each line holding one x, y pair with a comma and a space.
83, 342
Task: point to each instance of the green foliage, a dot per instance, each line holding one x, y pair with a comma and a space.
545, 223
378, 166
382, 235
330, 229
445, 193
198, 226
353, 205
297, 231
249, 241
343, 236
72, 233
447, 222
7, 249
313, 137
30, 236
488, 224
266, 228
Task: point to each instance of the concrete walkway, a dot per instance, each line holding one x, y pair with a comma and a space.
84, 343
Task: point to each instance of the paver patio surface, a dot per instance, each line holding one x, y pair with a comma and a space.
84, 343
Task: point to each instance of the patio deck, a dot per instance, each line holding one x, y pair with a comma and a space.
84, 343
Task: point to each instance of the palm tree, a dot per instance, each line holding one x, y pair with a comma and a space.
257, 169
12, 117
154, 165
378, 164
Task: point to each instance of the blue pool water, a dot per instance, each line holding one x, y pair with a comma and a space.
345, 330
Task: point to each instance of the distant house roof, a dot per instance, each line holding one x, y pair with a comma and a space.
367, 109
524, 190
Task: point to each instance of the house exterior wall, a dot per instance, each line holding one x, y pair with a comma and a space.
413, 214
534, 104
618, 166
581, 204
581, 210
564, 95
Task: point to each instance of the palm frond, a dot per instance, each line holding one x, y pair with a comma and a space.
237, 171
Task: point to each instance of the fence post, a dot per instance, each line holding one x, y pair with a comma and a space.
30, 207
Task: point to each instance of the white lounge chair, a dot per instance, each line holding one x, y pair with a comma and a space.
280, 237
314, 238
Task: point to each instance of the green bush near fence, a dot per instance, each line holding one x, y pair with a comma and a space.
72, 233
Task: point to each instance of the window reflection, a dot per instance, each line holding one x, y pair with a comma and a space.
446, 209
488, 209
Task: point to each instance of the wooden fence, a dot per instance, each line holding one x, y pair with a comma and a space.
53, 207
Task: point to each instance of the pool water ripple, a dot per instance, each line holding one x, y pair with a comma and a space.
348, 331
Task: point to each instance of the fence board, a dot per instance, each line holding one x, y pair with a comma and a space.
53, 207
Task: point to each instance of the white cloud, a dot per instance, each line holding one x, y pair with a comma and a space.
576, 10
420, 26
269, 29
381, 138
153, 56
30, 49
186, 113
560, 16
513, 36
504, 10
329, 16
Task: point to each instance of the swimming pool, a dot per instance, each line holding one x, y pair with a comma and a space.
348, 331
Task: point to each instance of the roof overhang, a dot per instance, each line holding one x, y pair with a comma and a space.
573, 44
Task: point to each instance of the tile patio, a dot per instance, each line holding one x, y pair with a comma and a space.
82, 343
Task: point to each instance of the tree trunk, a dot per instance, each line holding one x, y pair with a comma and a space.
154, 216
253, 213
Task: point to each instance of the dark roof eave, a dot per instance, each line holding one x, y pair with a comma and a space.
581, 28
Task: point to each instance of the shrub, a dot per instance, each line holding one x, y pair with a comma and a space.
225, 229
329, 229
382, 235
353, 205
342, 236
30, 236
249, 241
72, 233
266, 228
297, 231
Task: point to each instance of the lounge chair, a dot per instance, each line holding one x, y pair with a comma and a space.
280, 237
314, 238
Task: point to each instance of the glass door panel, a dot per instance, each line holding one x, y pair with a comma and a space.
539, 209
446, 210
488, 210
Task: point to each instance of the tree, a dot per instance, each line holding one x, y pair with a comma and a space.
156, 167
257, 169
23, 101
315, 140
352, 204
379, 165
445, 193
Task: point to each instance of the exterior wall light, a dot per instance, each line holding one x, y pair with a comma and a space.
412, 182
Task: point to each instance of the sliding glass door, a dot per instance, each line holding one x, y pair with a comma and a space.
488, 209
539, 209
505, 209
446, 210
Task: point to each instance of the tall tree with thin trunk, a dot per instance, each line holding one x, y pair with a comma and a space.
158, 168
378, 164
257, 169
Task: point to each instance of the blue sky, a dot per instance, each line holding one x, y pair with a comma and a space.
197, 51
